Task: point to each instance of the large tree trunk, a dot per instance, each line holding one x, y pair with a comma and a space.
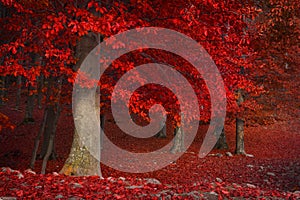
80, 161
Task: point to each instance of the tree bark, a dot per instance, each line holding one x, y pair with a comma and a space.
163, 132
50, 149
240, 147
221, 143
37, 139
19, 89
40, 86
178, 145
53, 112
29, 106
80, 161
49, 124
2, 90
102, 125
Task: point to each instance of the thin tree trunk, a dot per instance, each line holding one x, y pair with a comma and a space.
40, 91
29, 107
50, 149
2, 90
19, 89
4, 83
163, 132
102, 125
31, 96
37, 139
178, 145
240, 147
42, 128
50, 125
221, 143
49, 152
53, 113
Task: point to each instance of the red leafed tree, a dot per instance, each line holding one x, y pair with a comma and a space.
48, 38
276, 42
61, 34
222, 29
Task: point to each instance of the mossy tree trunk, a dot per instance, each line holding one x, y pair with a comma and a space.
80, 161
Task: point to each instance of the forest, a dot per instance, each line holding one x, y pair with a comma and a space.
140, 99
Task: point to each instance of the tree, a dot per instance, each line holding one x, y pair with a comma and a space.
57, 32
226, 37
80, 160
275, 40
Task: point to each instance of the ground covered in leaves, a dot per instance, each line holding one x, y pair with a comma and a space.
273, 172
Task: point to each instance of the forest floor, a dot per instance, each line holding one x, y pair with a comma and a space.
272, 173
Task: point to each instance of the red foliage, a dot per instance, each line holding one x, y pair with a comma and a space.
50, 30
275, 40
52, 34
